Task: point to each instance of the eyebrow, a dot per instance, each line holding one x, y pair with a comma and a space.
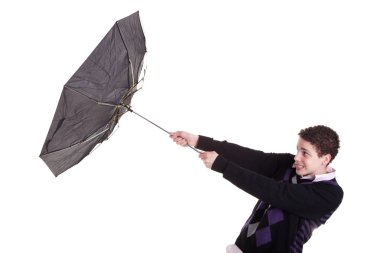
304, 149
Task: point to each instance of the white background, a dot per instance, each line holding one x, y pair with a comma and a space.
251, 72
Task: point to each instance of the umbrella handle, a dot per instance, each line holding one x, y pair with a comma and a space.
129, 109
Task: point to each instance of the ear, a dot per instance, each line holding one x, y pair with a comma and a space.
326, 159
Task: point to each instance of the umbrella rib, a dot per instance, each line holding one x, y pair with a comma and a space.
126, 48
98, 102
79, 143
96, 135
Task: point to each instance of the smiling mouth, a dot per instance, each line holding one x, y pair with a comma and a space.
298, 166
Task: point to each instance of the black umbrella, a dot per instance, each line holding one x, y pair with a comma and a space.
96, 96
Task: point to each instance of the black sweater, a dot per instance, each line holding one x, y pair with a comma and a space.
289, 208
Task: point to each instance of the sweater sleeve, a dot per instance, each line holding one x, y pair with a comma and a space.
268, 164
306, 200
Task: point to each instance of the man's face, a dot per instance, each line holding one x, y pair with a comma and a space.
307, 161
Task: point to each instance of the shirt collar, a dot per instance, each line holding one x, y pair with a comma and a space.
322, 177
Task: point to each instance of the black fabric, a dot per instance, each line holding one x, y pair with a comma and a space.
94, 98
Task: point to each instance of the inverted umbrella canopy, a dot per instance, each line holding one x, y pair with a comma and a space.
96, 96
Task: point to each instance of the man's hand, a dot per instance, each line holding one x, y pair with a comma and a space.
183, 138
208, 158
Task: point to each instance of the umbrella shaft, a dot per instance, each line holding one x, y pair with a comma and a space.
151, 122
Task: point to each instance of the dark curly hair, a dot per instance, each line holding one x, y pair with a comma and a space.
325, 140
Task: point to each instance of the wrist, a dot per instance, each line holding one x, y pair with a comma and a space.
219, 164
195, 142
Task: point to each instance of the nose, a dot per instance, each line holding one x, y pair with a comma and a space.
297, 157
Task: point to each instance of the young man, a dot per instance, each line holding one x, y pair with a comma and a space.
297, 193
